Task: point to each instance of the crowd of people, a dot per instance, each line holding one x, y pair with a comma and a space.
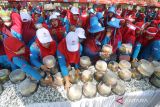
68, 34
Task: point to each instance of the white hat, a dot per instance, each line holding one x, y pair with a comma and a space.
74, 10
72, 42
57, 13
53, 16
43, 35
25, 16
80, 32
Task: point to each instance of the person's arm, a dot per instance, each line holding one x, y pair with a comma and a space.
34, 56
26, 68
90, 53
81, 49
67, 24
136, 50
106, 40
119, 44
63, 68
62, 64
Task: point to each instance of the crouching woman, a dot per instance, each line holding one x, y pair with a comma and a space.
18, 54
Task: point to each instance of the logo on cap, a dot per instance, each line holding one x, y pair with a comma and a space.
45, 35
73, 42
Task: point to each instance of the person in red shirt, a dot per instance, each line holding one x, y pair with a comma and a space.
29, 30
16, 28
57, 29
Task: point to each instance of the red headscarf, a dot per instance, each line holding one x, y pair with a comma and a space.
91, 44
72, 21
2, 52
28, 31
58, 29
5, 30
13, 45
69, 14
115, 39
84, 18
129, 34
47, 51
71, 57
16, 22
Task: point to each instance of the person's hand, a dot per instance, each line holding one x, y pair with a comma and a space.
134, 60
77, 73
53, 31
62, 31
67, 85
108, 33
44, 68
72, 28
79, 23
105, 54
1, 37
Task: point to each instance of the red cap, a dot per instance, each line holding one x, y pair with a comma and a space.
151, 31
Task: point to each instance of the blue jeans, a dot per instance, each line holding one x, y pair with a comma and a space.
16, 35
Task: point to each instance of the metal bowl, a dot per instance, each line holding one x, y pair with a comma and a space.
17, 76
126, 49
27, 87
136, 74
103, 89
157, 72
155, 81
125, 74
119, 89
58, 79
146, 68
1, 89
123, 64
113, 65
101, 66
85, 61
134, 64
98, 76
74, 93
89, 90
72, 76
4, 75
86, 76
49, 61
155, 63
107, 48
110, 78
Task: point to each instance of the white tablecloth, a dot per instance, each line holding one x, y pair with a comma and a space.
149, 98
